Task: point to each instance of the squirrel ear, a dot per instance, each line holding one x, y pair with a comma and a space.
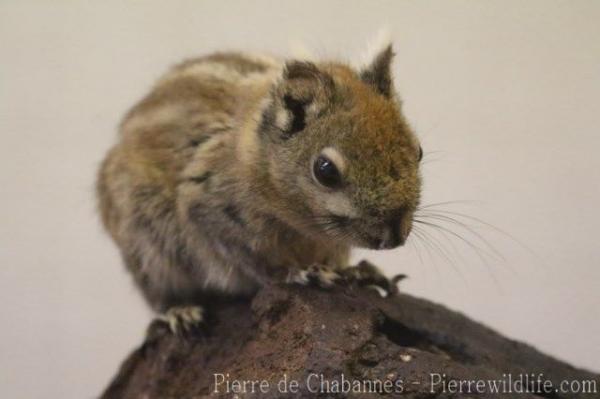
299, 96
302, 80
297, 111
301, 70
379, 72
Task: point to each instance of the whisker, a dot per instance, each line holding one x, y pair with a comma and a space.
427, 153
427, 157
491, 226
468, 228
435, 204
478, 251
475, 248
413, 243
440, 249
427, 248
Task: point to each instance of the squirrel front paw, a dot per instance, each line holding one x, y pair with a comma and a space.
183, 320
367, 274
320, 275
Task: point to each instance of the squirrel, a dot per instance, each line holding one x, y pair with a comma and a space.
239, 170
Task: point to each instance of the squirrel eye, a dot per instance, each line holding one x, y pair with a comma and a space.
326, 172
420, 154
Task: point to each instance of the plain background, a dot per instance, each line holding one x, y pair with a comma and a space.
505, 96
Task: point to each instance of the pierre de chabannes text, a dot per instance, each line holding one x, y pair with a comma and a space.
437, 382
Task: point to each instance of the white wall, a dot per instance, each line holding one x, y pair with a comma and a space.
507, 92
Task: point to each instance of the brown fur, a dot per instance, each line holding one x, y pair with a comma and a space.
210, 188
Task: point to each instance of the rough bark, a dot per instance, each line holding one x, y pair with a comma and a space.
295, 332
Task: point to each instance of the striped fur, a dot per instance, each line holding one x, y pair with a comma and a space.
209, 189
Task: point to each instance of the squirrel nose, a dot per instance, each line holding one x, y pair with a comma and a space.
397, 227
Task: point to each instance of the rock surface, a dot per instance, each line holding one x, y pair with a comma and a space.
392, 347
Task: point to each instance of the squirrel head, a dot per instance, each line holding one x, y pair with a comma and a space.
339, 159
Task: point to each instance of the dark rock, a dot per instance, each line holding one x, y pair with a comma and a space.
381, 347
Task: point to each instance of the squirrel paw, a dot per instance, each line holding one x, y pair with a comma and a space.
323, 276
183, 320
367, 274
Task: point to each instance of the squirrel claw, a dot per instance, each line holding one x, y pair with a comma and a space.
364, 274
183, 320
367, 274
323, 276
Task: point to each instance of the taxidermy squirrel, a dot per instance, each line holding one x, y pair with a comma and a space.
238, 170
